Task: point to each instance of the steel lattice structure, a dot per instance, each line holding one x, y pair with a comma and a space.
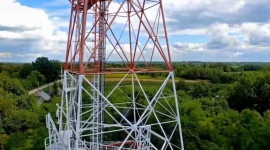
92, 116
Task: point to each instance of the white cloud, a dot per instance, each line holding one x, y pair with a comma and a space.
237, 54
16, 15
221, 38
5, 55
231, 29
258, 34
198, 14
28, 30
240, 42
188, 47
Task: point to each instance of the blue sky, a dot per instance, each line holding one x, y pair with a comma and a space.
199, 30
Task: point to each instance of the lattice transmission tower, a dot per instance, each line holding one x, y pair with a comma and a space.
120, 42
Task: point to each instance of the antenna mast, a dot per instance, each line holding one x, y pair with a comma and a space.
122, 38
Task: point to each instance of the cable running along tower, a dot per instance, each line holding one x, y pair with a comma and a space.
119, 41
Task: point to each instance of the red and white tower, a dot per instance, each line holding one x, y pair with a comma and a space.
91, 116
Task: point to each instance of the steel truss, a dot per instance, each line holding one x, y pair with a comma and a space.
91, 116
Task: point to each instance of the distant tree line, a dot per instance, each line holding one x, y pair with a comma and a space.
216, 72
31, 75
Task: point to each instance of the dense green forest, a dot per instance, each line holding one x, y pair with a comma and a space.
222, 105
22, 122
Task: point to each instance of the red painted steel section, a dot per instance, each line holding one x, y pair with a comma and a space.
79, 62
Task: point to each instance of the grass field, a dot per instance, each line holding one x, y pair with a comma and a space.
113, 79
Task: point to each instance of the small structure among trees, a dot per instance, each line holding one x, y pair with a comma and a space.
42, 96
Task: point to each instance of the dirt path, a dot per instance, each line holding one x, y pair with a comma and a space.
41, 87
